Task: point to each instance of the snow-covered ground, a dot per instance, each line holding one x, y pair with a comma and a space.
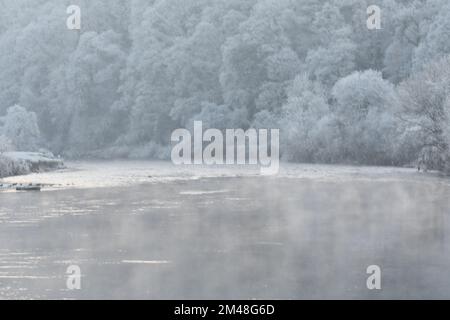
98, 174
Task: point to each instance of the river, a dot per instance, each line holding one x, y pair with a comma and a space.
149, 230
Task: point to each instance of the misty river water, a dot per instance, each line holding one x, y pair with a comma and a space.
149, 230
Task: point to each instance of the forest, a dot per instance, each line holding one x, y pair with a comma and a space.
139, 69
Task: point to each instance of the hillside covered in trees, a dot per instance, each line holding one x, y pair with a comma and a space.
138, 69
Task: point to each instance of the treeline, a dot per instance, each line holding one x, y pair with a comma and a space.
339, 92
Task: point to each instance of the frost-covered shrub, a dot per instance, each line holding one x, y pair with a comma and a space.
10, 167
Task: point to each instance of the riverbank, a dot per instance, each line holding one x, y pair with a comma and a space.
123, 173
22, 163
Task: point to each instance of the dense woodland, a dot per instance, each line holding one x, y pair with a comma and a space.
138, 69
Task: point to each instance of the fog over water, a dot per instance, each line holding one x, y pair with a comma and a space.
152, 230
154, 83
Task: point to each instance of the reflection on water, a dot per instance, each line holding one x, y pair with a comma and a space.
311, 232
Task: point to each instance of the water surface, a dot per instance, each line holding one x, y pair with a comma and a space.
148, 230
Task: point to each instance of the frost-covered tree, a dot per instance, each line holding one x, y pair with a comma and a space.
21, 128
139, 69
5, 144
365, 106
329, 64
398, 56
435, 34
92, 80
425, 102
307, 125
